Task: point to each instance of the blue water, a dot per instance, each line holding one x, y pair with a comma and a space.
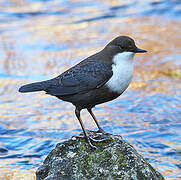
40, 39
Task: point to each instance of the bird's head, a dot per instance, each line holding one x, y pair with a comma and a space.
123, 44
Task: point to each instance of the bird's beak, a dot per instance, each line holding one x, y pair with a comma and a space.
138, 50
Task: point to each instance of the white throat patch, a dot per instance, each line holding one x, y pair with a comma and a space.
122, 68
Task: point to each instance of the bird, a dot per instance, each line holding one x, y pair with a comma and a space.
99, 78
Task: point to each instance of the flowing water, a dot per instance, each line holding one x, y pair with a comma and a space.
41, 39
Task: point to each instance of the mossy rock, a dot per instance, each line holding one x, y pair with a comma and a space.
112, 160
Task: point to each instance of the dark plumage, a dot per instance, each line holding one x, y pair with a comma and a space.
84, 85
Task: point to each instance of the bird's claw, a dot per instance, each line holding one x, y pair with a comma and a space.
84, 136
78, 136
97, 140
90, 140
101, 131
90, 144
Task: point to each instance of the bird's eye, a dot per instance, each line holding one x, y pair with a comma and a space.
121, 47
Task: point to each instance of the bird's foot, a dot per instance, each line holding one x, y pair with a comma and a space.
90, 140
80, 137
101, 131
90, 144
97, 140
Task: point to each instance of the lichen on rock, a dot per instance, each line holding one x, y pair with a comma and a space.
113, 159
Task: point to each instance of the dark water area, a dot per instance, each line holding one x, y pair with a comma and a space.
41, 39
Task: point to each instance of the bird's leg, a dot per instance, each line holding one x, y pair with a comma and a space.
77, 113
93, 116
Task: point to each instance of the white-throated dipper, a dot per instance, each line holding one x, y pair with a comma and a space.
97, 79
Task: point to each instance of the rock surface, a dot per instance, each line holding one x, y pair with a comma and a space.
113, 159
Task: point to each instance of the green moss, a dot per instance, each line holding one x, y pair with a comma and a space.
90, 158
120, 155
82, 147
123, 164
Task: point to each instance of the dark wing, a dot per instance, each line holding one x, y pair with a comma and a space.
81, 78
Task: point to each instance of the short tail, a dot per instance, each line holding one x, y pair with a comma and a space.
38, 86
